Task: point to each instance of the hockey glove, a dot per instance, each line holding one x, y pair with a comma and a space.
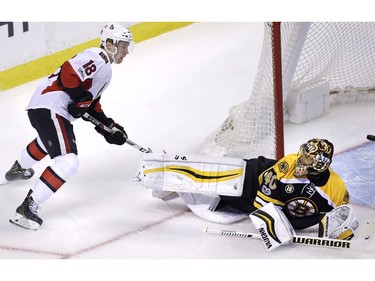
117, 136
273, 226
340, 223
79, 106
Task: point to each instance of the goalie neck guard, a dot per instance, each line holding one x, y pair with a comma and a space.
314, 157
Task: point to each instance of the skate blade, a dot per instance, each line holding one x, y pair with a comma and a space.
3, 182
23, 222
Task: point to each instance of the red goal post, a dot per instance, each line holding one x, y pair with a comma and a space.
304, 68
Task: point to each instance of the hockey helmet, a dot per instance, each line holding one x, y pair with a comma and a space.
314, 157
115, 32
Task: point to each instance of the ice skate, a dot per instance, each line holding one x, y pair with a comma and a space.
27, 214
18, 173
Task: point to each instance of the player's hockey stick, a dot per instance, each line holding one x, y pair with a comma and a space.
371, 137
366, 233
104, 127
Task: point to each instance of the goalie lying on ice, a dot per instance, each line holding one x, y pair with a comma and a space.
225, 190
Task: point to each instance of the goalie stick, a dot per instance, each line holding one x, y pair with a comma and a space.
104, 127
365, 235
371, 137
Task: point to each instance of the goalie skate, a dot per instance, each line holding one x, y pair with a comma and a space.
27, 215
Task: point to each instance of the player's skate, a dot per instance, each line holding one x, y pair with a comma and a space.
27, 214
18, 173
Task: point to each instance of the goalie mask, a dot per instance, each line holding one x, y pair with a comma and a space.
314, 157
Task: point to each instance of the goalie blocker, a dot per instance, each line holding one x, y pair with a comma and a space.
273, 226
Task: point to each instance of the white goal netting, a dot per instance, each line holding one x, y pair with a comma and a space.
322, 63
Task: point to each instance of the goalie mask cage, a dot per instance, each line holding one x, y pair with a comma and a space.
303, 69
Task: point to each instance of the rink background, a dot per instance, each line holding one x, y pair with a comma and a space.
186, 79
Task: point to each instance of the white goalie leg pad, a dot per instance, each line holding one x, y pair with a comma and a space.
340, 223
201, 206
193, 174
273, 226
164, 195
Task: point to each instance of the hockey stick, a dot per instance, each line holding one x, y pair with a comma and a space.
371, 137
104, 127
366, 233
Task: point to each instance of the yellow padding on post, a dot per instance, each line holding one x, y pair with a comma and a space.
147, 30
41, 67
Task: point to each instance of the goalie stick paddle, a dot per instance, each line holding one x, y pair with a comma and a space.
365, 235
371, 137
104, 127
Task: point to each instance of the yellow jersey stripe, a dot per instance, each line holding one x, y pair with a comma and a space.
269, 199
198, 175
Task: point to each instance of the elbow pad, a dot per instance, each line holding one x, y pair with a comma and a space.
76, 94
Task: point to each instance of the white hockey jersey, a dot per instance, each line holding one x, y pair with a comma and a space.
90, 69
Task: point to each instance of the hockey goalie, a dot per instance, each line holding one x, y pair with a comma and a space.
298, 191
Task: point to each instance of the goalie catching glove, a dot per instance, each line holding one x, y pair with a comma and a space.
340, 223
116, 136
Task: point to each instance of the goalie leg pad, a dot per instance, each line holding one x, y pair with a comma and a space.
201, 206
273, 226
193, 174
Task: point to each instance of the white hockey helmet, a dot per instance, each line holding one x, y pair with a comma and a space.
116, 33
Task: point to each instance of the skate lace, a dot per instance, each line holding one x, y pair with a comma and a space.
34, 208
17, 169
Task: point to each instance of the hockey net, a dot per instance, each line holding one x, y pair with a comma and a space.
322, 63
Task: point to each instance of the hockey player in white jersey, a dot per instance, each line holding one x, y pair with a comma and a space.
72, 90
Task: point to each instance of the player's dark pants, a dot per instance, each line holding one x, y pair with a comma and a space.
244, 203
55, 132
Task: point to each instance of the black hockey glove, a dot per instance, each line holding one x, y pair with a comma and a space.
79, 106
118, 135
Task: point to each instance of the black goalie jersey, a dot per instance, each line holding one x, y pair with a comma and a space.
303, 199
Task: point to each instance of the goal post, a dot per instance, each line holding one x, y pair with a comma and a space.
278, 90
304, 69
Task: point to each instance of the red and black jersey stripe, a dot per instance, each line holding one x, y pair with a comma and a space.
51, 179
35, 151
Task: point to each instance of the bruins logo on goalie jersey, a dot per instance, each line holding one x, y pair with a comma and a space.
300, 197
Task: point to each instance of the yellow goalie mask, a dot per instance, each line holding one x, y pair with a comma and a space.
314, 157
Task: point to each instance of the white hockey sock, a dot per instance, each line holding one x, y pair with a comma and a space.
25, 160
41, 193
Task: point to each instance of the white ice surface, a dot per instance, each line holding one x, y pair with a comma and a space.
170, 93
